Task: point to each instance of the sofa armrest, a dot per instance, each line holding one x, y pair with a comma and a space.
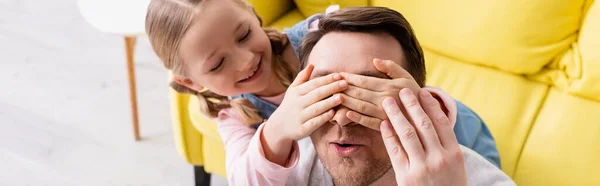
206, 125
187, 138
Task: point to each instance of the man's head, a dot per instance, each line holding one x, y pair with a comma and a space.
347, 41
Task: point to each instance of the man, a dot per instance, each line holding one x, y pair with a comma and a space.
346, 42
415, 143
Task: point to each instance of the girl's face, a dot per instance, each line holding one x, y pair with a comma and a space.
225, 50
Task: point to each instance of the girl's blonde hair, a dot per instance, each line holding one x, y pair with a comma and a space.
166, 23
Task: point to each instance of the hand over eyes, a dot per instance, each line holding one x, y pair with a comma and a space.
365, 94
308, 104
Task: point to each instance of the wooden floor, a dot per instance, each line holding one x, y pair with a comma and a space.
64, 104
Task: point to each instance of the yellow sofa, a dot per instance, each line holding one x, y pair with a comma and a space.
530, 69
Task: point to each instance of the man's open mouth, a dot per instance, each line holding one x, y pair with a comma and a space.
344, 145
345, 149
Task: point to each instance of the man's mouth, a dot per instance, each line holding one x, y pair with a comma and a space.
344, 144
344, 148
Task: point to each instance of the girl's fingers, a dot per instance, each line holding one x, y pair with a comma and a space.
394, 148
303, 75
367, 121
363, 94
421, 120
366, 82
391, 69
406, 132
323, 92
313, 124
441, 123
318, 82
320, 107
363, 107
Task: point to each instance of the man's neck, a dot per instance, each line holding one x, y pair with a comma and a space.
389, 178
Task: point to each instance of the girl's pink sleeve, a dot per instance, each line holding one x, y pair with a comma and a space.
245, 159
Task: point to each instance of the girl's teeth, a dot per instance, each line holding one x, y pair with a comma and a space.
250, 75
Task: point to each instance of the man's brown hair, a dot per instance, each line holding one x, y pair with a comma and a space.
370, 20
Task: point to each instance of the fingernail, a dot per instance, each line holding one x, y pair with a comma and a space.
338, 98
330, 113
385, 123
385, 126
376, 60
405, 92
337, 76
343, 84
351, 115
307, 67
388, 101
425, 94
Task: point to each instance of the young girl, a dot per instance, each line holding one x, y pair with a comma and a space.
214, 54
216, 49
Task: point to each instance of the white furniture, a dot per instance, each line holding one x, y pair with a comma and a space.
125, 18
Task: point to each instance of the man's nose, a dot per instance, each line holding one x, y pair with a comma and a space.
340, 117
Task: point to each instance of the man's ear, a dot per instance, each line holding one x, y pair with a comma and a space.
186, 82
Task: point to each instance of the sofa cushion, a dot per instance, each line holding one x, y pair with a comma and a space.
563, 147
269, 11
507, 103
577, 71
311, 7
589, 43
288, 20
515, 36
215, 153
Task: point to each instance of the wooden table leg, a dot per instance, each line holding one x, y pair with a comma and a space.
129, 47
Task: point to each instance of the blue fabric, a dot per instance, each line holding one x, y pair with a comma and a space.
297, 32
470, 130
265, 108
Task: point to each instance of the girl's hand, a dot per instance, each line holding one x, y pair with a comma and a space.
365, 94
425, 152
307, 105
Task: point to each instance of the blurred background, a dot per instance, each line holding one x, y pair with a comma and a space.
65, 115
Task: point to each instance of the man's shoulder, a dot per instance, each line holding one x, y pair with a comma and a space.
306, 145
481, 172
464, 112
309, 170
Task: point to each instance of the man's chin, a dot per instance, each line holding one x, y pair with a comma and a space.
354, 171
344, 170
